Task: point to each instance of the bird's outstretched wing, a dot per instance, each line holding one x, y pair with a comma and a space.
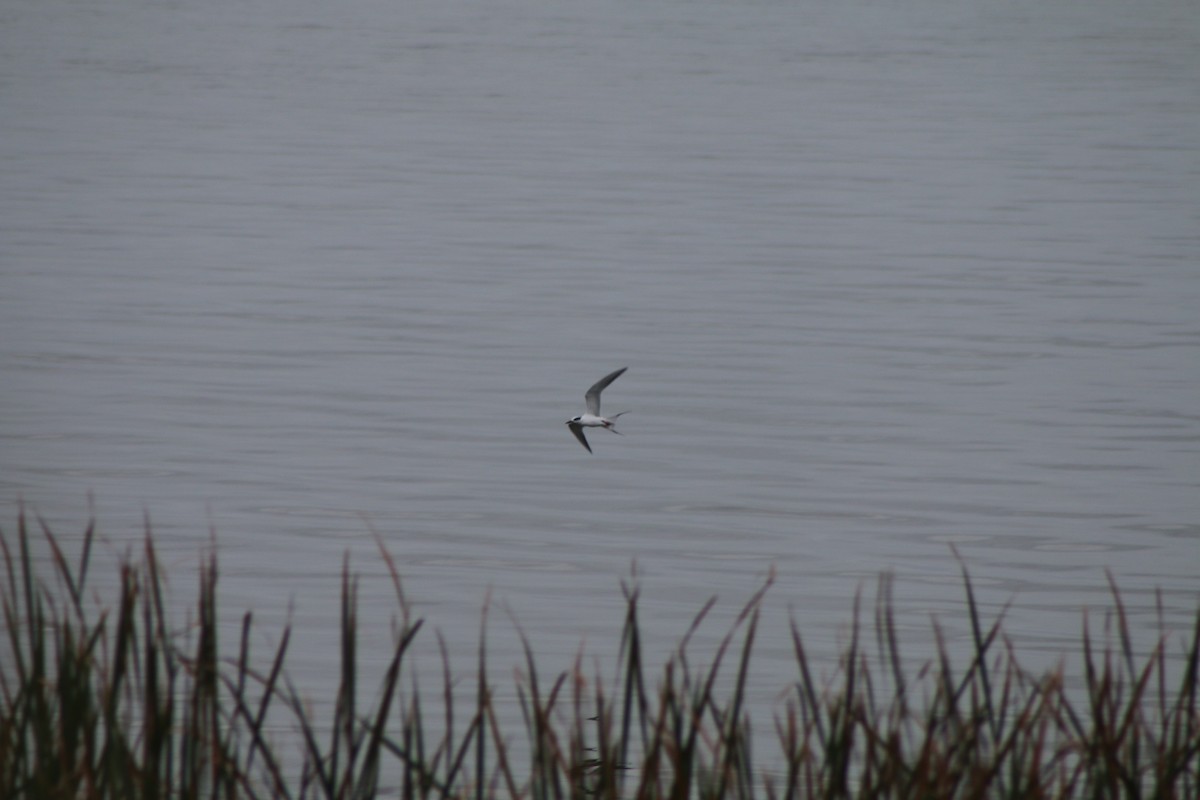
578, 431
593, 394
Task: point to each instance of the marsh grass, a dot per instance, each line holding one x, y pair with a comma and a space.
111, 701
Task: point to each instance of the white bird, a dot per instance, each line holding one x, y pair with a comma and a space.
592, 418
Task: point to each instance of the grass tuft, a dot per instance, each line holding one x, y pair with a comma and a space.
112, 701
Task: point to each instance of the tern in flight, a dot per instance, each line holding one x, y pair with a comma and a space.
592, 418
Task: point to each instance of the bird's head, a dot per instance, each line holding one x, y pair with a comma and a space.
572, 419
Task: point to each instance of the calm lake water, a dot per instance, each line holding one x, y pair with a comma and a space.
887, 278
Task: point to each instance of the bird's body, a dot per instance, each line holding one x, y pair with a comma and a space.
592, 418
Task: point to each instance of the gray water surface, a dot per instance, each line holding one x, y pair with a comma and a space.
886, 279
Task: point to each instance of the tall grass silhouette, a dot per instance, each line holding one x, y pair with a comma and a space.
110, 701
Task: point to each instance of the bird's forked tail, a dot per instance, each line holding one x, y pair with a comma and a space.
612, 426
